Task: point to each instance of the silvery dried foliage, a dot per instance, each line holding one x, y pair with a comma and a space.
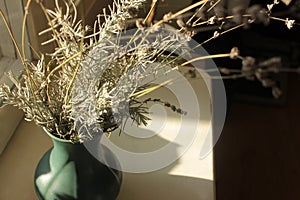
115, 69
45, 90
88, 83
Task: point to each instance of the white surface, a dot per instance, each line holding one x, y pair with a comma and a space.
189, 177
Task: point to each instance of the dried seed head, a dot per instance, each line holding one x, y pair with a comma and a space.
289, 23
225, 70
139, 23
261, 74
258, 14
216, 34
121, 25
173, 108
276, 1
167, 16
234, 53
212, 20
178, 110
181, 23
189, 34
273, 64
237, 13
270, 6
167, 104
253, 10
248, 63
192, 73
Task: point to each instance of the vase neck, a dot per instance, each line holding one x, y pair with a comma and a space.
70, 150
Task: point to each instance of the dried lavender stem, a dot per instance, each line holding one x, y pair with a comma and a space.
151, 12
180, 12
205, 57
23, 28
195, 14
214, 5
12, 36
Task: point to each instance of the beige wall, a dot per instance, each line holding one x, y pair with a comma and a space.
36, 23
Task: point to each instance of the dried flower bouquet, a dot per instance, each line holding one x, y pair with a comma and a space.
94, 79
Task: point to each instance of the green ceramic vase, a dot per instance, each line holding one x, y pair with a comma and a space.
68, 172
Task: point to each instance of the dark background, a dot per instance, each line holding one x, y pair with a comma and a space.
257, 156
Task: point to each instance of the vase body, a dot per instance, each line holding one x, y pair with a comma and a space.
68, 171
